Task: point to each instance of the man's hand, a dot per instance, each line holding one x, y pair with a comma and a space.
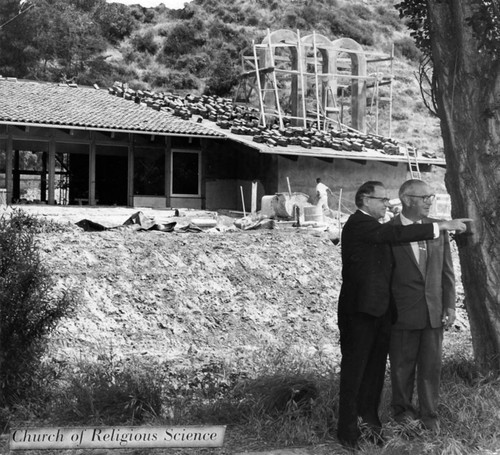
448, 317
454, 225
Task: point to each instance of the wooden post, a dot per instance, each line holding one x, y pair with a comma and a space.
168, 171
390, 90
316, 78
243, 201
130, 171
16, 178
52, 172
289, 187
8, 166
303, 84
92, 167
338, 211
254, 199
259, 85
43, 178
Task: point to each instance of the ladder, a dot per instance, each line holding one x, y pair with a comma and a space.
331, 112
263, 85
413, 166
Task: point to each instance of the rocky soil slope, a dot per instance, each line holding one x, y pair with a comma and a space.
240, 298
248, 300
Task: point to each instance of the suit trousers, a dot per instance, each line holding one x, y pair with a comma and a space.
364, 343
416, 353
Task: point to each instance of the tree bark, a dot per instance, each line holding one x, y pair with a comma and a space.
468, 98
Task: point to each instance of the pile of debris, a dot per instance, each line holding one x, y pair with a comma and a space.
245, 120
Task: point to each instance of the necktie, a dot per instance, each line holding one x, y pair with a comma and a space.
422, 256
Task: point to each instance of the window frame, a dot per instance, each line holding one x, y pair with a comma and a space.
172, 171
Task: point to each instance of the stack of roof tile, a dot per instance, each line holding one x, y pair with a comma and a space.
245, 120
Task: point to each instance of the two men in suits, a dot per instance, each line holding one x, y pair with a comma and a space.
423, 291
365, 313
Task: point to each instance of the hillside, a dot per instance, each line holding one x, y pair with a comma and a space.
198, 49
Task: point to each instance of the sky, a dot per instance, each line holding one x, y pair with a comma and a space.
172, 4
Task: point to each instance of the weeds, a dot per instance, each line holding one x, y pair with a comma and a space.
468, 413
110, 392
287, 408
30, 304
292, 409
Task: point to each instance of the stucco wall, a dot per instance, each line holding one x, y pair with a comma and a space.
338, 174
227, 194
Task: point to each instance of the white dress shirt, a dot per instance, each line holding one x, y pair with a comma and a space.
414, 245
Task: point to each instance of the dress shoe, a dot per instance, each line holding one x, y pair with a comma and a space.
405, 417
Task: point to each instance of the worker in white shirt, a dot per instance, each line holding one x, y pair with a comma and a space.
322, 195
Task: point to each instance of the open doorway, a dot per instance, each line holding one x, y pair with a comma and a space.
30, 177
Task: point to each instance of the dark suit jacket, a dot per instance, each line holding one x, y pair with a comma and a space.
414, 295
367, 261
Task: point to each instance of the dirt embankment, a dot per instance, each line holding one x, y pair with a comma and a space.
245, 299
248, 300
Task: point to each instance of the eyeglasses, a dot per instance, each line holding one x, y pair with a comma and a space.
385, 200
426, 198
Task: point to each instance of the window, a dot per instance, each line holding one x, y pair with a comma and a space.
185, 173
149, 172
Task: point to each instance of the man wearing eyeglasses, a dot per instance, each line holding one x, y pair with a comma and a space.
423, 289
365, 313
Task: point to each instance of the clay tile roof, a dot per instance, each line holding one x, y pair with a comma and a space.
46, 104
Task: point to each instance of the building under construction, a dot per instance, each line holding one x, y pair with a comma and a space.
312, 81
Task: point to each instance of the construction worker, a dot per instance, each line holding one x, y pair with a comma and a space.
322, 195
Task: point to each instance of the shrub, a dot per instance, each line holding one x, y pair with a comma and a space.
346, 26
145, 42
196, 64
116, 21
406, 47
388, 18
123, 72
171, 80
224, 75
361, 11
30, 305
181, 39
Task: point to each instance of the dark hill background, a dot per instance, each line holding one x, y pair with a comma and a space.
198, 49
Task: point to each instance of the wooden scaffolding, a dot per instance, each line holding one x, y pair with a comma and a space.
312, 81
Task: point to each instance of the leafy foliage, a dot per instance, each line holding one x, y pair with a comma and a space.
224, 75
58, 39
485, 24
173, 79
415, 13
144, 42
16, 53
30, 305
406, 47
67, 41
116, 21
183, 38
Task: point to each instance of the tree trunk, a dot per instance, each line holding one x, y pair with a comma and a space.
468, 98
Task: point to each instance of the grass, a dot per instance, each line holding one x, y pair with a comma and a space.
278, 406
